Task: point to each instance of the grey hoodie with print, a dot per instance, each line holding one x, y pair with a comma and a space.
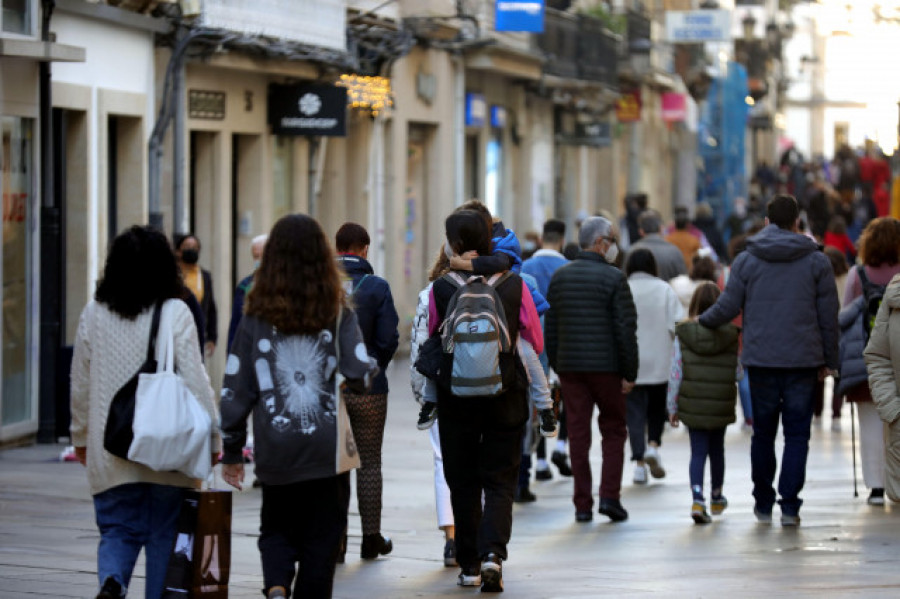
785, 286
288, 382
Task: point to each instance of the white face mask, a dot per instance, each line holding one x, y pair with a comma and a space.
612, 253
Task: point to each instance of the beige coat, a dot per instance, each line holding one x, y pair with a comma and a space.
882, 357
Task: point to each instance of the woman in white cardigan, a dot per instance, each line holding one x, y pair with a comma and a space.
135, 507
658, 309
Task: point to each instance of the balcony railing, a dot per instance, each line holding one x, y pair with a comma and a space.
578, 47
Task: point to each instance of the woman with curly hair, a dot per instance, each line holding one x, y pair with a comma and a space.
297, 334
879, 252
135, 507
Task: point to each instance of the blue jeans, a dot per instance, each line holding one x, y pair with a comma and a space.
131, 517
787, 394
744, 393
707, 444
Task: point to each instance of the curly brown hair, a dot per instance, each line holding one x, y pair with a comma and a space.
880, 242
297, 287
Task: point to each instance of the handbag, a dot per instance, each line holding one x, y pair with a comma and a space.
347, 456
171, 428
118, 434
200, 562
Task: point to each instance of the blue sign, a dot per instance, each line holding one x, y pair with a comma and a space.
498, 117
476, 110
520, 16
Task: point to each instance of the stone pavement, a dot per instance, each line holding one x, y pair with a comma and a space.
844, 548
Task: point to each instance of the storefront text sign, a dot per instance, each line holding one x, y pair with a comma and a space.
674, 107
690, 26
476, 110
520, 16
203, 104
628, 107
308, 110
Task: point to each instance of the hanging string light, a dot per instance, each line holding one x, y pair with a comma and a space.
368, 93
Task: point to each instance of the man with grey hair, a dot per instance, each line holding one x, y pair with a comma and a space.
243, 288
669, 260
591, 341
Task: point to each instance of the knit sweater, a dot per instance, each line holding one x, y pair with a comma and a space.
109, 349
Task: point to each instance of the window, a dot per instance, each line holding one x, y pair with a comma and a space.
18, 17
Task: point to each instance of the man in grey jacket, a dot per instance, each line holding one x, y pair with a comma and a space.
785, 286
590, 332
669, 260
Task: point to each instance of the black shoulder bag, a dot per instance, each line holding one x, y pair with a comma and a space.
118, 435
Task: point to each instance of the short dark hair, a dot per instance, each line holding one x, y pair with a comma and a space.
466, 230
180, 238
554, 230
681, 217
641, 260
703, 268
783, 211
351, 237
838, 260
140, 271
571, 250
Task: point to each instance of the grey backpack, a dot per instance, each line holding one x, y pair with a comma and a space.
474, 333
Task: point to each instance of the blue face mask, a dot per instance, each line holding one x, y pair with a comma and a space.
256, 265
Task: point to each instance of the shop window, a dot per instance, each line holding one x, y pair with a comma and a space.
18, 16
17, 176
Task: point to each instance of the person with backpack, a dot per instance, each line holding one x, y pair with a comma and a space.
481, 396
378, 321
879, 251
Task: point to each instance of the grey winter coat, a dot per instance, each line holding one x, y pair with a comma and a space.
592, 322
853, 342
785, 286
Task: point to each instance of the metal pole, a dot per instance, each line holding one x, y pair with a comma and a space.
179, 224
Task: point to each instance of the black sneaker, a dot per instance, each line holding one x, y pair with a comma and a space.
561, 461
583, 516
492, 574
450, 554
549, 425
613, 509
427, 416
375, 545
543, 474
469, 576
524, 495
111, 589
876, 497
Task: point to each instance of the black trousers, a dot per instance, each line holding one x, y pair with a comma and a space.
302, 524
479, 458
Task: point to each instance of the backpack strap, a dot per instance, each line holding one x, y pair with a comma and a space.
154, 331
454, 278
498, 279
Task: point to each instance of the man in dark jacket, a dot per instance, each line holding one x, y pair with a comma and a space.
785, 286
378, 320
669, 260
592, 344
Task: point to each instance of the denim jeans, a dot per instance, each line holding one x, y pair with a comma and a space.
744, 394
787, 394
646, 417
707, 444
131, 517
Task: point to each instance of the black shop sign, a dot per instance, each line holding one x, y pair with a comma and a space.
308, 110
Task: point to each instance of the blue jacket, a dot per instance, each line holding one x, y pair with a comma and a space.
853, 343
237, 307
374, 307
540, 302
542, 266
785, 286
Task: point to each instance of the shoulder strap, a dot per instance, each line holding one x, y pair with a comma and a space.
154, 331
861, 273
498, 279
454, 279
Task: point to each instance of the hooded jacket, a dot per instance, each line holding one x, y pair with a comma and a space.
882, 357
785, 287
853, 342
709, 357
378, 319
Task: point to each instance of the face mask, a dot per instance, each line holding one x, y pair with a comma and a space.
612, 253
256, 265
190, 256
529, 246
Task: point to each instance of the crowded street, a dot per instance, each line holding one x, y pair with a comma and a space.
844, 548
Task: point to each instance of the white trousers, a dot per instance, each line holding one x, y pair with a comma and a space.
441, 490
871, 444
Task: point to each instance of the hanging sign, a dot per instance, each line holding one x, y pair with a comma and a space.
628, 107
308, 110
692, 26
476, 110
674, 107
520, 16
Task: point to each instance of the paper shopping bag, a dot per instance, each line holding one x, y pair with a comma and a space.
201, 557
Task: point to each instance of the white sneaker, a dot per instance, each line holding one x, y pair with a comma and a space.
640, 474
651, 457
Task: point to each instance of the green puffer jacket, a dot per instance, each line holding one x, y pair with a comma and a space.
709, 360
592, 322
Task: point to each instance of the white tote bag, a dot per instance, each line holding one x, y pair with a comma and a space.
171, 428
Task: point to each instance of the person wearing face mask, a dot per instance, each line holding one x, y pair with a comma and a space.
591, 340
243, 288
199, 282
